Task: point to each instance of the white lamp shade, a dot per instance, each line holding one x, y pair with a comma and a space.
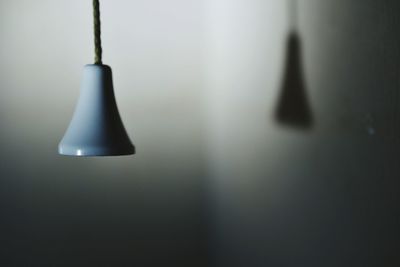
96, 128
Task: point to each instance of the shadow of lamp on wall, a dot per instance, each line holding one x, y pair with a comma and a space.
293, 107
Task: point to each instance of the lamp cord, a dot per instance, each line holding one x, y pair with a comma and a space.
97, 33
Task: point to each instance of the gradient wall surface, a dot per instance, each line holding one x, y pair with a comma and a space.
144, 210
216, 181
322, 196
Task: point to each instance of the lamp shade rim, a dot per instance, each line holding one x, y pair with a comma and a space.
68, 150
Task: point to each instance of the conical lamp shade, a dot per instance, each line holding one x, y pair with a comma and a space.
96, 128
293, 105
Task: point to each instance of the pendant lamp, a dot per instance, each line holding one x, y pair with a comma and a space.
293, 107
96, 128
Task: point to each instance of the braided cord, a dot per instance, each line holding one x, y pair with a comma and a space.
97, 32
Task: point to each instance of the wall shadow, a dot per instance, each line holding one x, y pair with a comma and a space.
293, 107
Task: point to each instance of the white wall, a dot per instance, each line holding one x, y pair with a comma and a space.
325, 196
142, 210
216, 180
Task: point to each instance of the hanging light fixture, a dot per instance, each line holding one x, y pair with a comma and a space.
96, 128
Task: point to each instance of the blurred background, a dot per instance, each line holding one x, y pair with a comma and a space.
266, 135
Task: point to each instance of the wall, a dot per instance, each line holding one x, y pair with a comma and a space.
217, 179
322, 195
143, 210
